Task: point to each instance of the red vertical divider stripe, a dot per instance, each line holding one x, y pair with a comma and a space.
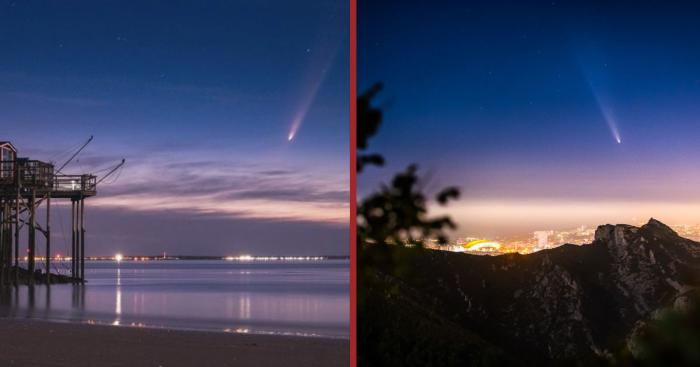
353, 183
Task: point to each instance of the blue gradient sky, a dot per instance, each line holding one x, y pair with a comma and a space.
200, 99
519, 104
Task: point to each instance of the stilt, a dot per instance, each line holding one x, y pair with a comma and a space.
17, 238
82, 240
73, 252
6, 245
3, 252
77, 241
8, 240
48, 299
48, 239
31, 296
32, 238
7, 223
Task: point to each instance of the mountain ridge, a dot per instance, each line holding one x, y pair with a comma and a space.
572, 302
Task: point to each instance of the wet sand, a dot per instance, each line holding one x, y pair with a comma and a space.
40, 343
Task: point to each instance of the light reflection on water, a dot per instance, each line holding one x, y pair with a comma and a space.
288, 298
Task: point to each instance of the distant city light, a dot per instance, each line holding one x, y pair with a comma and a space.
273, 258
118, 257
529, 242
482, 245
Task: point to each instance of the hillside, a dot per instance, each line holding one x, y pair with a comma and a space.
569, 303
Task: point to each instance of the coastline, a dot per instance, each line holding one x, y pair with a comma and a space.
27, 342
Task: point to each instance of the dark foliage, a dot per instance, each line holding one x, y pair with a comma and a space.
392, 331
368, 118
400, 328
673, 339
397, 213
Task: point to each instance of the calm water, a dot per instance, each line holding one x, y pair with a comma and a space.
307, 298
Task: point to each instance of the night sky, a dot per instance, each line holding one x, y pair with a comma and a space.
521, 104
201, 99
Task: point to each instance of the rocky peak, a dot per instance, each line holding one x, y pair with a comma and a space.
659, 228
614, 234
653, 238
622, 234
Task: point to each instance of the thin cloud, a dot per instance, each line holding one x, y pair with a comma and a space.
234, 189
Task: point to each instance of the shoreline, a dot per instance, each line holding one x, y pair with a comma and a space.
63, 343
140, 325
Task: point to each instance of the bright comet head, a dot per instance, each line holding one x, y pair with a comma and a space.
296, 123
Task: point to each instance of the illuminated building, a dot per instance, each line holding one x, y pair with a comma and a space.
482, 246
542, 238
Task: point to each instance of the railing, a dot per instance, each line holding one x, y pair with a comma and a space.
36, 174
84, 183
40, 176
7, 172
30, 173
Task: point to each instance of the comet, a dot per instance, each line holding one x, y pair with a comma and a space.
293, 131
320, 58
609, 118
598, 86
306, 102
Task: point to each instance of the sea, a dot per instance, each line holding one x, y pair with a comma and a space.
307, 298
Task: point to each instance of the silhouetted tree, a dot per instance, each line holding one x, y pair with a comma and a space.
368, 120
670, 339
397, 213
390, 331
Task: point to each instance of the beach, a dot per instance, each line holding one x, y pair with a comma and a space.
302, 298
42, 343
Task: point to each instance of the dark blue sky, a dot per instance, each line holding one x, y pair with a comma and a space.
200, 99
521, 103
